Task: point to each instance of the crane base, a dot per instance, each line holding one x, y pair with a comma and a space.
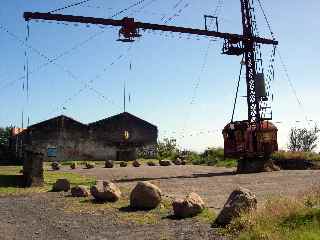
256, 165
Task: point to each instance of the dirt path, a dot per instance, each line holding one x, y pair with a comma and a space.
43, 216
213, 184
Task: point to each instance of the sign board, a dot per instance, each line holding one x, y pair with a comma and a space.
52, 152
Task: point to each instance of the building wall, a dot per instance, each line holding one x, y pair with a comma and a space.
63, 139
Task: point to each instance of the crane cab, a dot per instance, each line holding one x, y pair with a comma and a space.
242, 140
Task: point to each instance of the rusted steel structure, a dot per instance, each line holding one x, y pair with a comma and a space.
246, 44
241, 140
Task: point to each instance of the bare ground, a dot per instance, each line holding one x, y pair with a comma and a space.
213, 184
43, 216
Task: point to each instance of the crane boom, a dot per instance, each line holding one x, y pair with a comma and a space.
140, 25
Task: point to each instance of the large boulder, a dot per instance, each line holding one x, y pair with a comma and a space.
109, 164
188, 207
55, 166
145, 196
164, 163
80, 191
105, 191
61, 185
240, 201
135, 163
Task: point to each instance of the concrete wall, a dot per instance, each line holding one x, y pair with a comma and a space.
76, 141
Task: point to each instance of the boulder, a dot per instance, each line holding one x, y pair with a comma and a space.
240, 201
135, 163
183, 162
151, 163
177, 161
73, 165
61, 185
188, 207
105, 191
109, 164
123, 164
145, 196
55, 166
164, 163
80, 191
90, 165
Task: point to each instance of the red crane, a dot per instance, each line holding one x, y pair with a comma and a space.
252, 140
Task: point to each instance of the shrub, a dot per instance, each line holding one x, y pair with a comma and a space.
289, 155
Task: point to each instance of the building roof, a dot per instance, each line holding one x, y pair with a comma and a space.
124, 115
54, 119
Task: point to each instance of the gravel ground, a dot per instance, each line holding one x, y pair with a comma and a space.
214, 185
42, 215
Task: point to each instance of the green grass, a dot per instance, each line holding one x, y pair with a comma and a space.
287, 155
228, 163
8, 184
281, 219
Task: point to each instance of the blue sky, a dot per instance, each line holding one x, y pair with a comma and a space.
168, 70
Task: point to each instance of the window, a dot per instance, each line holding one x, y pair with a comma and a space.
52, 152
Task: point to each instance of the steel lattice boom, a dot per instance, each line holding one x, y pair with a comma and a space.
235, 44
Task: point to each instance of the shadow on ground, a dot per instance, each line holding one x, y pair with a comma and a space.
11, 181
195, 175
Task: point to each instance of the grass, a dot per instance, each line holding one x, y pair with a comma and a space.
228, 163
8, 181
287, 155
281, 219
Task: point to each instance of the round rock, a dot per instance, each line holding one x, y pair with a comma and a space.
151, 163
73, 165
188, 207
123, 164
61, 185
135, 163
164, 163
90, 165
105, 191
177, 161
240, 201
145, 196
109, 164
80, 191
55, 166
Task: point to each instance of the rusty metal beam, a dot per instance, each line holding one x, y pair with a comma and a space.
141, 25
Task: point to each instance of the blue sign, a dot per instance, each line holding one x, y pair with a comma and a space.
52, 152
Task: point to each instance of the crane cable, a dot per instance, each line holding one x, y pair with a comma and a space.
69, 51
285, 69
237, 91
69, 6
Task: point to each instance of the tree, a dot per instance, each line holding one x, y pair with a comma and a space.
303, 139
167, 148
4, 135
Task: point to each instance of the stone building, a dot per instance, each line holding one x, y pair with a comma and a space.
62, 138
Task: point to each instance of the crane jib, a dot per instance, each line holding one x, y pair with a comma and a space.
141, 25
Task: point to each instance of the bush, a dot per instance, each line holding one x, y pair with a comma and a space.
288, 155
211, 157
167, 149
